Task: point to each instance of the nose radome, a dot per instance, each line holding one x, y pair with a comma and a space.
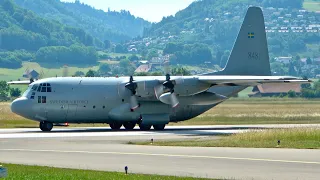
20, 106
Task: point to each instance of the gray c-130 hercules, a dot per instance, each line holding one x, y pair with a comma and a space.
151, 100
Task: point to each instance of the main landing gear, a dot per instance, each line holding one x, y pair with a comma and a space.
46, 126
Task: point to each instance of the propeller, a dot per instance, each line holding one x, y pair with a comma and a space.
165, 92
31, 80
132, 86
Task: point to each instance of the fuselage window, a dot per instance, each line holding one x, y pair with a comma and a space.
39, 99
44, 99
32, 97
48, 89
39, 88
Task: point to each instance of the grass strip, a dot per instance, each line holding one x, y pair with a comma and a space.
297, 138
25, 172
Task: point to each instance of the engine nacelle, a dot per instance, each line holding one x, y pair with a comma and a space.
205, 98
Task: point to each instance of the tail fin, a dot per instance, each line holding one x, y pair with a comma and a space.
249, 55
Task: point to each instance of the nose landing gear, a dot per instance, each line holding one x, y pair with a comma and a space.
45, 126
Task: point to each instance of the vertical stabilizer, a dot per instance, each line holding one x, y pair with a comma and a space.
249, 55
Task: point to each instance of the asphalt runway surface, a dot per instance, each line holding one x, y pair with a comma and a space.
107, 150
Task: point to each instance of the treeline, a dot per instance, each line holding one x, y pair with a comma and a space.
13, 59
311, 91
24, 36
188, 53
22, 29
6, 91
75, 54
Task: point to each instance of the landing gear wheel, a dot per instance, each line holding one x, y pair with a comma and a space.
129, 125
46, 126
159, 127
145, 127
115, 125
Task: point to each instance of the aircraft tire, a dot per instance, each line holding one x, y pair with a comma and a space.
145, 127
159, 127
45, 126
115, 125
129, 125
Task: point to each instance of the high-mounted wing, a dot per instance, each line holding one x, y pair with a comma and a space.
249, 80
19, 82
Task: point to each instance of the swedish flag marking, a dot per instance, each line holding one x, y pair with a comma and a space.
250, 35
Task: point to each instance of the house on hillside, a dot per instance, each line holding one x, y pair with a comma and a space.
144, 68
31, 74
268, 90
284, 60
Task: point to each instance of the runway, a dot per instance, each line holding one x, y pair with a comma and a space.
103, 149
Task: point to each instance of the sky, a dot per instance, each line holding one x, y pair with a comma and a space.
151, 10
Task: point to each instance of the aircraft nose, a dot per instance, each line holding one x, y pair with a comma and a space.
20, 106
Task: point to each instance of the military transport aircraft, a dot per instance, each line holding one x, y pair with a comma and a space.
151, 100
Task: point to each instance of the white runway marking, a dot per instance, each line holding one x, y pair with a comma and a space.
110, 133
165, 155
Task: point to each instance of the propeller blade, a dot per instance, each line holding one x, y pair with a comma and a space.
174, 100
158, 91
134, 102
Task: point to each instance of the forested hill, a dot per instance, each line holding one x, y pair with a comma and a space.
24, 36
216, 23
113, 26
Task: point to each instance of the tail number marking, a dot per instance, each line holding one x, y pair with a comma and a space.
253, 55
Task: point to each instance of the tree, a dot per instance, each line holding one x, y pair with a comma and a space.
309, 61
133, 58
79, 74
107, 44
104, 68
152, 53
178, 71
15, 92
4, 89
292, 94
119, 49
90, 73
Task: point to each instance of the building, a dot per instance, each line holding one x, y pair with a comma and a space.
284, 60
31, 74
143, 68
268, 90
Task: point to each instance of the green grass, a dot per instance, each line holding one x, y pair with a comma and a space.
245, 92
49, 71
299, 138
311, 5
22, 172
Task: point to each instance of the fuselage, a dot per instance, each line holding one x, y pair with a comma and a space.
92, 100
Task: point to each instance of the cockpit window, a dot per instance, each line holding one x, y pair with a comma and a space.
34, 87
44, 87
